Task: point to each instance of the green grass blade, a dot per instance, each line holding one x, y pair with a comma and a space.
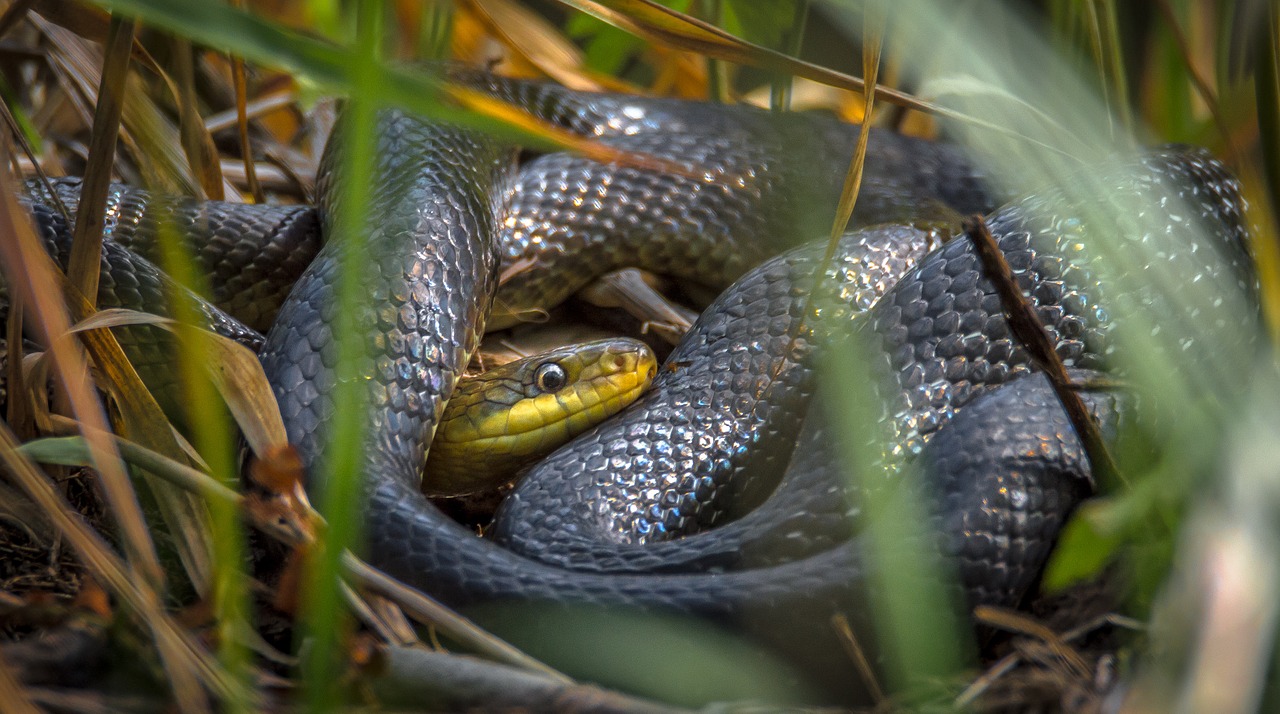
325, 619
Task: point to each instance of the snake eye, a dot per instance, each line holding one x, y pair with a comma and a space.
550, 377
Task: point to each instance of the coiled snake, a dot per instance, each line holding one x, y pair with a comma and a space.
622, 517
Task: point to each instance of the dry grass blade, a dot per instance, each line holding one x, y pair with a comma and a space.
1026, 326
86, 248
1198, 79
457, 683
363, 610
669, 28
140, 415
867, 673
152, 141
189, 670
873, 28
287, 180
187, 665
252, 110
242, 130
16, 133
242, 122
92, 24
196, 140
62, 700
73, 450
372, 611
1023, 625
395, 621
521, 119
428, 611
31, 273
873, 35
1030, 628
983, 682
537, 42
141, 418
238, 376
234, 369
202, 155
13, 695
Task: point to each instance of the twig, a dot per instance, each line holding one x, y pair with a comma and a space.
849, 640
242, 127
252, 110
1024, 625
1006, 664
1026, 327
429, 611
456, 682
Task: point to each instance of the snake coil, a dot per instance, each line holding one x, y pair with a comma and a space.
625, 515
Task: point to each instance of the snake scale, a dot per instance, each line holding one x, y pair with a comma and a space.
623, 516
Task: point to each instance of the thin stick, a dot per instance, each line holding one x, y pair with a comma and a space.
428, 611
849, 640
242, 122
1027, 328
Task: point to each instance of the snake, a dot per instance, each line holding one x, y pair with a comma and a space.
717, 494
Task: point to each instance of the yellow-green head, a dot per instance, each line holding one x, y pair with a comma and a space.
502, 419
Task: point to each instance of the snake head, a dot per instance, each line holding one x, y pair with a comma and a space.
502, 419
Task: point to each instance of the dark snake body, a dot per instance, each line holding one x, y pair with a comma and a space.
942, 340
963, 400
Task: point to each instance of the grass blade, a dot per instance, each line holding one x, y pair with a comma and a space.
86, 249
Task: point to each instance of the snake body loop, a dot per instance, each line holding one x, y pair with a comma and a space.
431, 274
